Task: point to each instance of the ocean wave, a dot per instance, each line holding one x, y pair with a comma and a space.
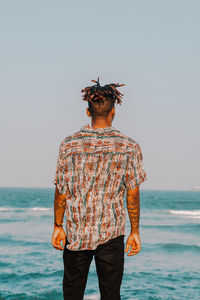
92, 297
191, 227
28, 295
179, 247
21, 277
7, 208
187, 213
24, 208
40, 208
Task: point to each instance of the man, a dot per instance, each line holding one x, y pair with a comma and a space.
95, 167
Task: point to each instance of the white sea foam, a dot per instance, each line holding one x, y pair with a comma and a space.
6, 208
92, 297
24, 208
187, 213
40, 208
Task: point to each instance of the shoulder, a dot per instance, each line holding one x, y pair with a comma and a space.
131, 143
69, 140
133, 147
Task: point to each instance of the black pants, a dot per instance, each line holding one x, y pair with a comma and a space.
109, 260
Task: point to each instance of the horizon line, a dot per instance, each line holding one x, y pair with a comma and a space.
141, 189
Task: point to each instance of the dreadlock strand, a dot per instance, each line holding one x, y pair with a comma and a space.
98, 93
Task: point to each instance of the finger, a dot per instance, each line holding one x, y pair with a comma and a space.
64, 241
57, 246
54, 244
133, 248
127, 247
133, 252
138, 248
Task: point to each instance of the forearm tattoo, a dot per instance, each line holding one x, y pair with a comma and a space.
133, 207
59, 207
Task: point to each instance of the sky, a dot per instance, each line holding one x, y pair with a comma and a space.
50, 50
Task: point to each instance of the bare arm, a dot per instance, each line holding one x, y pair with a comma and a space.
133, 207
59, 207
59, 210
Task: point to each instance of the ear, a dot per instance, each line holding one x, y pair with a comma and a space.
88, 112
113, 111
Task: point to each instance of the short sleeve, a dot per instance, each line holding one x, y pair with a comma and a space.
135, 173
61, 171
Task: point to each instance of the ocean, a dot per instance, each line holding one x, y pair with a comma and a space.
167, 267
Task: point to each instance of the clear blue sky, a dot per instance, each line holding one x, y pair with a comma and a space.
50, 50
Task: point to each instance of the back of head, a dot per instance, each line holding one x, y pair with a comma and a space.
101, 99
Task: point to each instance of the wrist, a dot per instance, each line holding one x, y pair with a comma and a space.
58, 225
135, 232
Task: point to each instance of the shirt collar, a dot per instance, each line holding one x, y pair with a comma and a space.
87, 128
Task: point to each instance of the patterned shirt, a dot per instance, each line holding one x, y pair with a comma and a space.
95, 166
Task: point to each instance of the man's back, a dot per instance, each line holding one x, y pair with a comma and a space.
95, 167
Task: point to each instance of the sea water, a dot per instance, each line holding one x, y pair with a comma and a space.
167, 267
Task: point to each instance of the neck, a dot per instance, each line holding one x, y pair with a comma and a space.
100, 122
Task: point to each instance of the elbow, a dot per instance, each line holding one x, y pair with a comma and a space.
134, 193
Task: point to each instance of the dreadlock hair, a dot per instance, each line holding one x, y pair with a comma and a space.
101, 99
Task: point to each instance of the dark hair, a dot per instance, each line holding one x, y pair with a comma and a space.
101, 99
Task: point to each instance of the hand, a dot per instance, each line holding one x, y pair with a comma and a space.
133, 241
58, 236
